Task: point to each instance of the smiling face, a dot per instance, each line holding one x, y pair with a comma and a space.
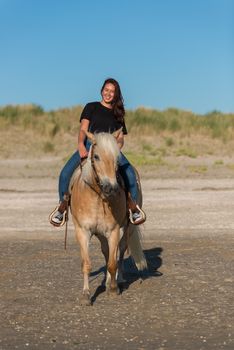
108, 93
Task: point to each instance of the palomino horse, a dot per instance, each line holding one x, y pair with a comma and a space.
98, 207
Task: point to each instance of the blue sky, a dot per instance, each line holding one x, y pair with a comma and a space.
164, 53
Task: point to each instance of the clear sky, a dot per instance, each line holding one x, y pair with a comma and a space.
164, 53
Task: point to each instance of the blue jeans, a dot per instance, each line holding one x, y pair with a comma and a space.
126, 171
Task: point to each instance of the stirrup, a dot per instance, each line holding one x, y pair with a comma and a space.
142, 213
62, 222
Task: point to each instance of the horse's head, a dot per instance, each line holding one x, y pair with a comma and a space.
103, 156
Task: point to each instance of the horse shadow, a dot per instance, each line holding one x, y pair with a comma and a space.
131, 273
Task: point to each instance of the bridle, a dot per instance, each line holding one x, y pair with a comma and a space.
96, 177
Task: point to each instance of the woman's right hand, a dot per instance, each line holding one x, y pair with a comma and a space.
82, 151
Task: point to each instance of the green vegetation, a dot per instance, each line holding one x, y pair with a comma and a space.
218, 162
48, 147
35, 118
214, 124
186, 152
169, 141
199, 169
150, 121
153, 134
141, 159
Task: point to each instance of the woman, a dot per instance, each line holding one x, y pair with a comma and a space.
104, 116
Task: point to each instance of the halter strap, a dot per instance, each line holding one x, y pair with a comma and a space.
96, 178
94, 168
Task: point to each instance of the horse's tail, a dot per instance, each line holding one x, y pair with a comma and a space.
136, 247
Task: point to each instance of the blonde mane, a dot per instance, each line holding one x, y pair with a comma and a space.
106, 144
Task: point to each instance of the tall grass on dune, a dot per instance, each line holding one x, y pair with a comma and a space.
153, 134
214, 124
33, 117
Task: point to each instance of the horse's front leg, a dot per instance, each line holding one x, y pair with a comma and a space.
123, 244
83, 238
111, 280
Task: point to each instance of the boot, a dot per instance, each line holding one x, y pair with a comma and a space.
136, 214
59, 215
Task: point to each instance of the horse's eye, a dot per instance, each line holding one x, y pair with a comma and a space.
96, 157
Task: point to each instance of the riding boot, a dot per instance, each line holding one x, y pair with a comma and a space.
136, 214
63, 206
59, 215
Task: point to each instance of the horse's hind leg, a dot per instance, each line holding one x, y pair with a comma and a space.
83, 238
104, 246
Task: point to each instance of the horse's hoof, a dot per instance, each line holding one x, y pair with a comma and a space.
113, 291
85, 300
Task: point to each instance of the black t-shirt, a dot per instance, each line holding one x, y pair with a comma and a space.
101, 118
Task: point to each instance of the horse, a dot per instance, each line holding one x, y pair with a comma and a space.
99, 207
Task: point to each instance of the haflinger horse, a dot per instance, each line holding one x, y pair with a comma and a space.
99, 207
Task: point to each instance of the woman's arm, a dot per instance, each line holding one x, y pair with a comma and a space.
81, 138
120, 140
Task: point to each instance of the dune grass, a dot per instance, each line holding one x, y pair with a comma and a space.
214, 124
148, 121
153, 135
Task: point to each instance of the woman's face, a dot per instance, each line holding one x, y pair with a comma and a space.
108, 93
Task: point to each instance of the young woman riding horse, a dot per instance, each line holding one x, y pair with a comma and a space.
104, 116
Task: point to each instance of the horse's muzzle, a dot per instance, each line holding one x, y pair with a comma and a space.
109, 189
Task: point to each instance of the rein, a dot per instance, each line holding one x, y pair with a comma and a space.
66, 227
66, 221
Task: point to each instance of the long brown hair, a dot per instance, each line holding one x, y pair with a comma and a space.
118, 101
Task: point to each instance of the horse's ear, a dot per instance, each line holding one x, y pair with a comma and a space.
117, 132
90, 136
